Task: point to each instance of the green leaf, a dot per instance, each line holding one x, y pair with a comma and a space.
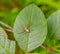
30, 28
3, 35
6, 46
54, 24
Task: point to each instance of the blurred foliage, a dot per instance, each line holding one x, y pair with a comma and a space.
10, 8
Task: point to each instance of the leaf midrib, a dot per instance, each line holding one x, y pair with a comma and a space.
29, 28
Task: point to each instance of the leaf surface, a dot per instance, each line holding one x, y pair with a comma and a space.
6, 46
54, 24
30, 28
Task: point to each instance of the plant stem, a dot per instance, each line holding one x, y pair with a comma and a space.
7, 26
9, 30
50, 49
44, 47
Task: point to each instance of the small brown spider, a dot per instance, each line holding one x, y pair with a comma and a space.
26, 29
